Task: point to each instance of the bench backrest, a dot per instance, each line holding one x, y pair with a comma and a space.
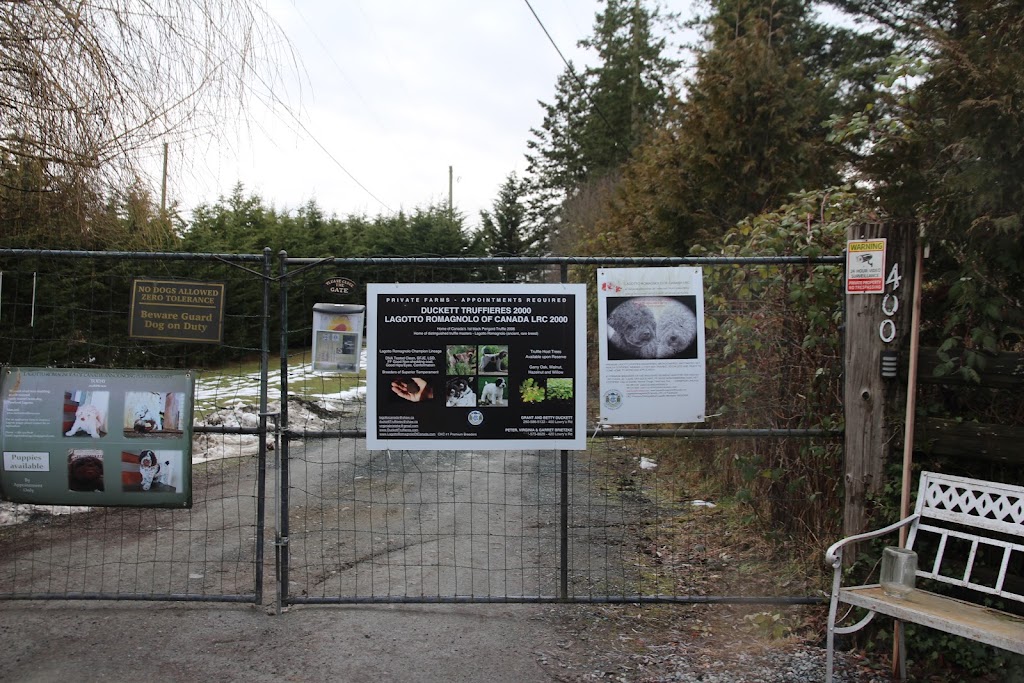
986, 517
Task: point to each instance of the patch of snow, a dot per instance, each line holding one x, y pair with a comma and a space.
15, 513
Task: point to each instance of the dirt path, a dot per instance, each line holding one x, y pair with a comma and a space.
423, 524
60, 642
363, 525
367, 526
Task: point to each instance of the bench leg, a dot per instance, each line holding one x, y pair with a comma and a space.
830, 635
828, 655
899, 650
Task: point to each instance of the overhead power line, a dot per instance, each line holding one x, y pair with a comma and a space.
298, 121
572, 71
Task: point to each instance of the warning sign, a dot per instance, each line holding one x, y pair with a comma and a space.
176, 310
865, 266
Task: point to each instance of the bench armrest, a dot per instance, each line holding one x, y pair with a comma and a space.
834, 555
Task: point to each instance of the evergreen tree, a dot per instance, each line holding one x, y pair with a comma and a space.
430, 231
946, 149
506, 230
236, 224
600, 115
750, 133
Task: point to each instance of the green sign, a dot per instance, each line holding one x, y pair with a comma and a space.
177, 310
96, 437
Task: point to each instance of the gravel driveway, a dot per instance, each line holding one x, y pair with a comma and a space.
365, 524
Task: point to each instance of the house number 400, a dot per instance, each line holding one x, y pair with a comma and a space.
890, 304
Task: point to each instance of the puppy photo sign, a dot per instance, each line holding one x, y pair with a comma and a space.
651, 343
96, 437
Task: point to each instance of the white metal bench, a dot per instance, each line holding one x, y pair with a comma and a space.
969, 533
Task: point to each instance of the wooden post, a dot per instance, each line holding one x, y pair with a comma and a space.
873, 405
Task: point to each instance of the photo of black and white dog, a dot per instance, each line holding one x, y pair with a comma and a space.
157, 473
493, 393
149, 468
460, 392
494, 360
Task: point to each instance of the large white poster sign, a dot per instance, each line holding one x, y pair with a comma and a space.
651, 343
488, 367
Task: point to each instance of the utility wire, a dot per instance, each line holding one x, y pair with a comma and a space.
298, 121
338, 66
572, 72
338, 163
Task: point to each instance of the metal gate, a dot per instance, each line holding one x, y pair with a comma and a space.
630, 519
611, 524
71, 310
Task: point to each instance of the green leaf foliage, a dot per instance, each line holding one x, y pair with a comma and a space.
946, 147
773, 332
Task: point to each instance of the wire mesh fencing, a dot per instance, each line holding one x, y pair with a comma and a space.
727, 510
661, 513
72, 310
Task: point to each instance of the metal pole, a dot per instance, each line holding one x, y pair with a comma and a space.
32, 322
908, 436
277, 507
898, 651
261, 463
563, 551
563, 582
282, 541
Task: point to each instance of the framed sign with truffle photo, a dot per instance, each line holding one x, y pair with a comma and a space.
651, 344
99, 438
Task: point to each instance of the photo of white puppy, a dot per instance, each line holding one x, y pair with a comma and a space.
88, 419
493, 393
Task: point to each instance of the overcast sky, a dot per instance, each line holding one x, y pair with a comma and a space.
395, 92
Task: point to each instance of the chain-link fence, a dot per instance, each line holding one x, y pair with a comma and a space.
72, 310
640, 515
727, 511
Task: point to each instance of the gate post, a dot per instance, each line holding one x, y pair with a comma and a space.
261, 458
872, 404
563, 551
281, 540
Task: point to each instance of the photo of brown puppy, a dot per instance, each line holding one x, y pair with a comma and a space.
461, 360
85, 470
